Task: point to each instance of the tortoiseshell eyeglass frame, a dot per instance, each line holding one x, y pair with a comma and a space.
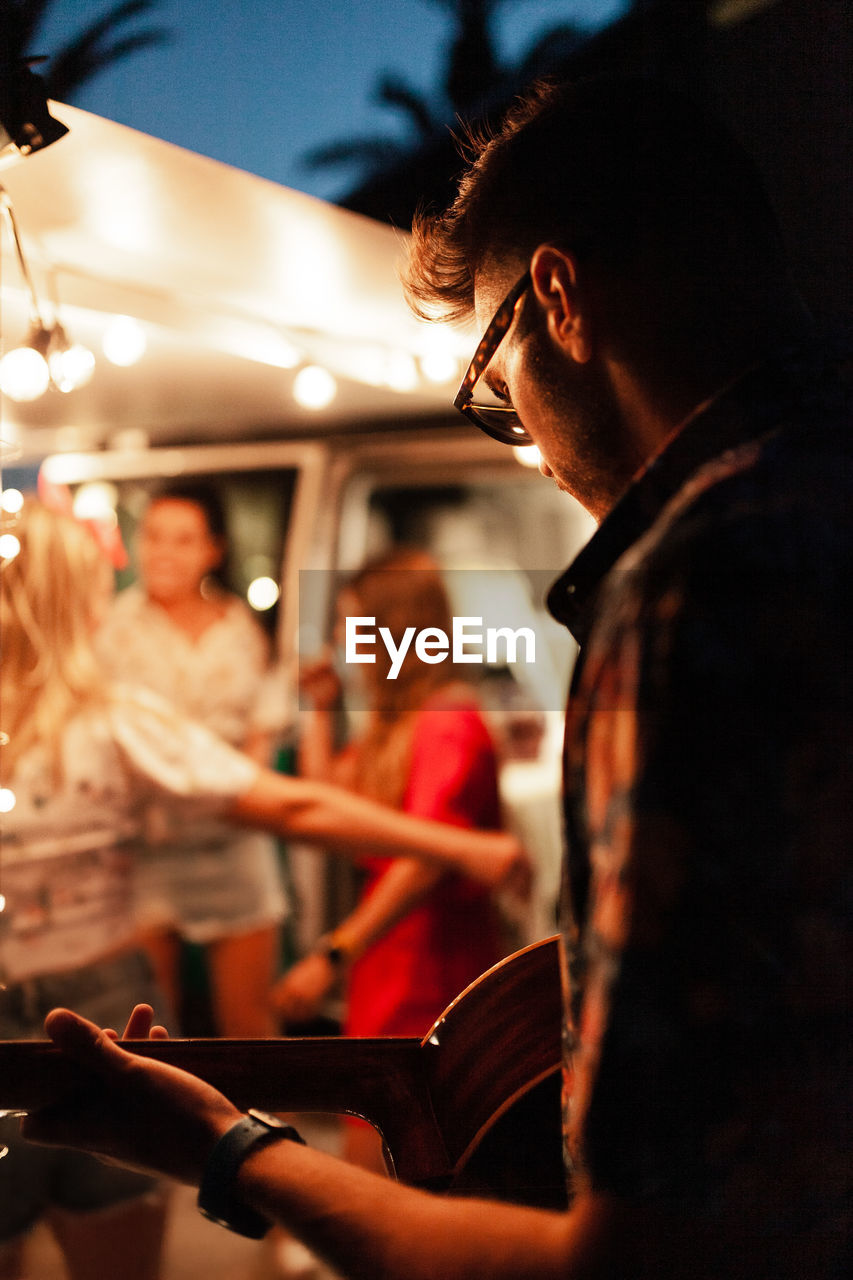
500, 421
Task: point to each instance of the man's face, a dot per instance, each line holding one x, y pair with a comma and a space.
569, 409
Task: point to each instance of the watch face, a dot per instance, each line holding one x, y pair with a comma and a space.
264, 1117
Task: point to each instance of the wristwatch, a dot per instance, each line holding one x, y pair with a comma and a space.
337, 955
217, 1199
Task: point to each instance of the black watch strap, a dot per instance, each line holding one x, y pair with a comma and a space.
216, 1195
337, 955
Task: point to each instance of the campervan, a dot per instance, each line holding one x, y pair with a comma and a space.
258, 338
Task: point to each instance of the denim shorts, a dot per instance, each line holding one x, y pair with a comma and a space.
35, 1179
205, 892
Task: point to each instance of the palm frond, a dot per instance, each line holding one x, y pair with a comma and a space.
369, 153
116, 17
84, 58
474, 85
393, 91
462, 9
549, 49
22, 19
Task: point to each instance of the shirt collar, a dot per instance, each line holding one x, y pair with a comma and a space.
745, 410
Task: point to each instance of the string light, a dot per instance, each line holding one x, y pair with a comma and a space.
11, 501
46, 357
402, 372
24, 372
527, 454
124, 341
314, 387
71, 367
262, 593
439, 366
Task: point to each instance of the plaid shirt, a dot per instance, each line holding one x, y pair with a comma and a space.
709, 809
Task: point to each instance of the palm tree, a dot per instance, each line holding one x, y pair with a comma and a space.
474, 82
98, 45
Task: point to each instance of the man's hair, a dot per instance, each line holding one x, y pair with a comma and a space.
627, 173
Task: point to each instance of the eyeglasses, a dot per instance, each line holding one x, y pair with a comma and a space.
500, 421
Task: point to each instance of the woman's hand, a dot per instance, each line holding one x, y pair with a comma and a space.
300, 994
133, 1110
517, 871
320, 682
503, 864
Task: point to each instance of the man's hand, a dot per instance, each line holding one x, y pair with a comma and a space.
136, 1111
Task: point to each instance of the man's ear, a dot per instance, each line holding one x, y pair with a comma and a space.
555, 283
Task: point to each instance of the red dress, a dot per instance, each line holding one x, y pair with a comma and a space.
408, 977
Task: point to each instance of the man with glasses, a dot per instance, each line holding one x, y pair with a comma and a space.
640, 328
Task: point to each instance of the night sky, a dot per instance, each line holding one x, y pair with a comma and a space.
257, 84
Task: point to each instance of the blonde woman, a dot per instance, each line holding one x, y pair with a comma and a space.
419, 935
83, 758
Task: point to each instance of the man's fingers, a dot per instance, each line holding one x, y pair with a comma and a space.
69, 1029
139, 1023
83, 1041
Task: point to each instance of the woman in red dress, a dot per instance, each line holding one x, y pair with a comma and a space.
417, 936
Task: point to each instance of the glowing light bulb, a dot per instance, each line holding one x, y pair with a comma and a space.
11, 500
24, 374
97, 500
7, 800
439, 366
124, 341
402, 372
72, 367
314, 387
262, 593
527, 454
9, 546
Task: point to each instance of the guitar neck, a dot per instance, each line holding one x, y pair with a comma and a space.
381, 1080
432, 1100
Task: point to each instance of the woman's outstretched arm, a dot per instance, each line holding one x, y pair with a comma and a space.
350, 825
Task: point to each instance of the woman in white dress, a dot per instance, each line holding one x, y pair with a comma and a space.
178, 632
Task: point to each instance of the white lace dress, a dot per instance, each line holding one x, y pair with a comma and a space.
203, 879
69, 851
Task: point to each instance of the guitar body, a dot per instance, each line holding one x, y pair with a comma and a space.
474, 1106
495, 1081
520, 1157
